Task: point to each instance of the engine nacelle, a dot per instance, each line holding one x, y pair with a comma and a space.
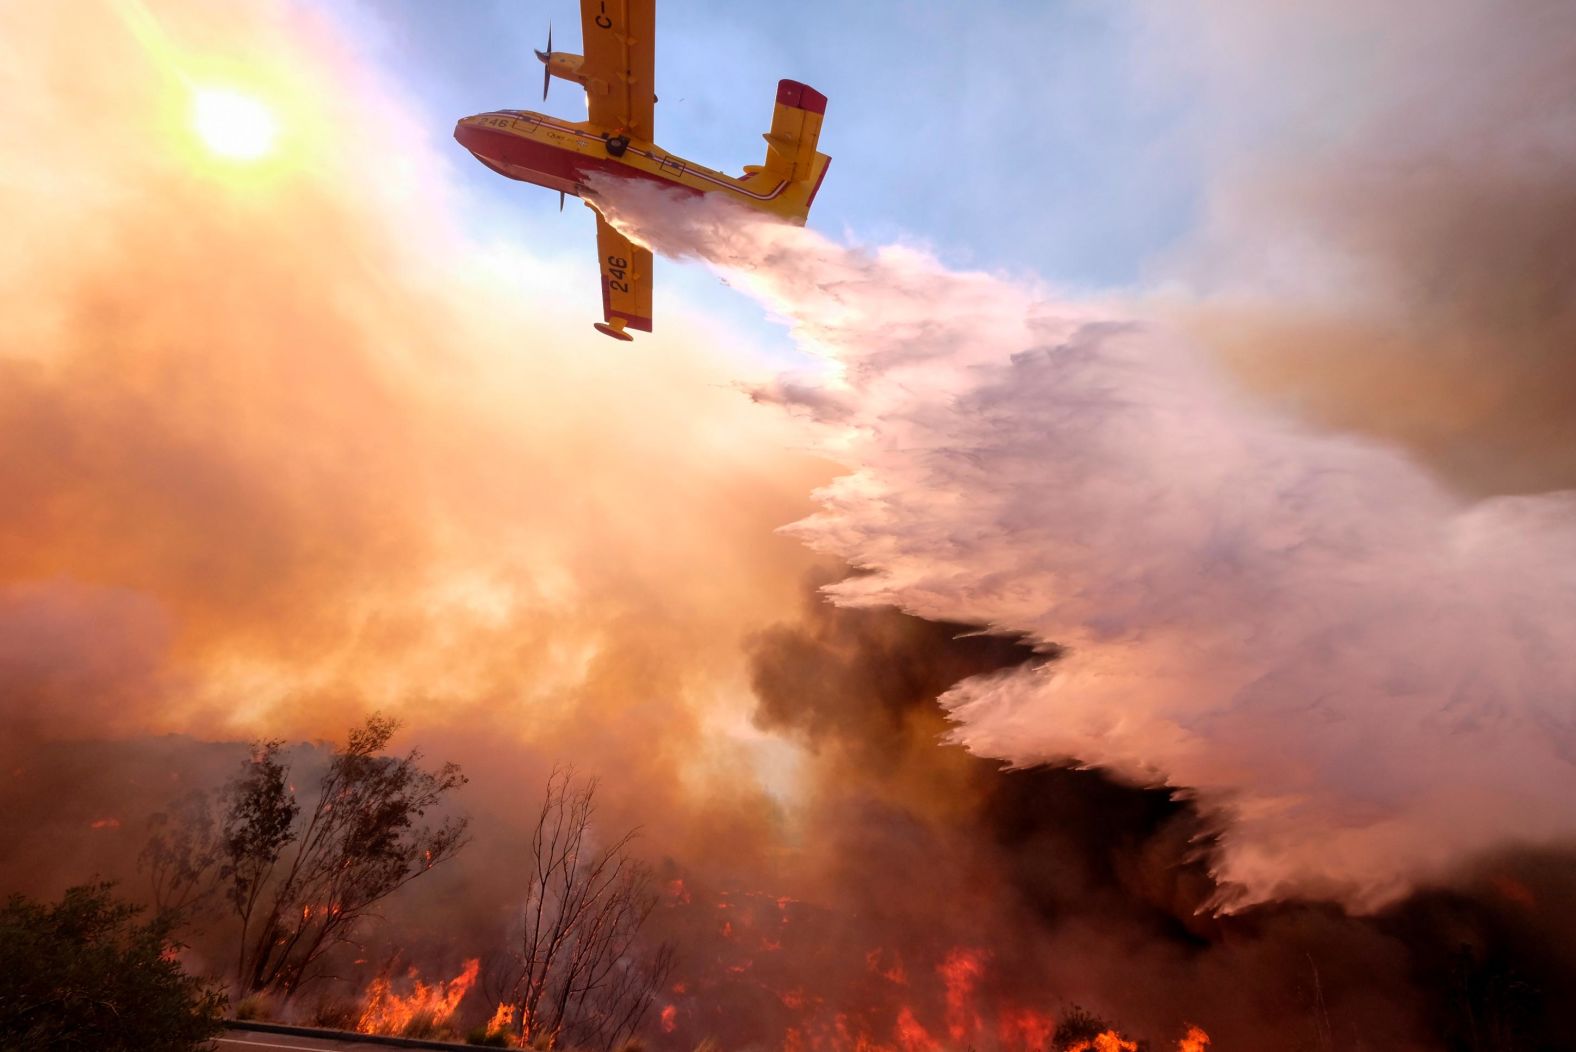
564, 65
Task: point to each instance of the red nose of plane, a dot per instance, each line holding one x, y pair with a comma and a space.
485, 144
468, 134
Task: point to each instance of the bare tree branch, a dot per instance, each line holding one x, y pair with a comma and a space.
361, 841
580, 977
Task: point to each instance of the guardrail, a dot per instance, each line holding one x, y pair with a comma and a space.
341, 1035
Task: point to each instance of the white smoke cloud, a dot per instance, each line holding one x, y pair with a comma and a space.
1365, 674
1382, 241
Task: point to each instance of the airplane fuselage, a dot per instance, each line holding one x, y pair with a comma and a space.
561, 155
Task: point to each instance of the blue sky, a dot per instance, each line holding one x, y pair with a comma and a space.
1026, 138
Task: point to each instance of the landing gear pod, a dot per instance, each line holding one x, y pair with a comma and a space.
615, 329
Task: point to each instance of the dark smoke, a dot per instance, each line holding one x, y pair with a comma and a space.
908, 864
860, 682
1090, 890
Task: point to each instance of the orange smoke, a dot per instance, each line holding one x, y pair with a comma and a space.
1024, 1028
284, 446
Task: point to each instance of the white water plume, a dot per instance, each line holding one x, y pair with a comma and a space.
1366, 677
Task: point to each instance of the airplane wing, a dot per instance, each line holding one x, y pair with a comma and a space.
620, 52
626, 277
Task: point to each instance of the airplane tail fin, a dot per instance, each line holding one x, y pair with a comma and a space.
791, 154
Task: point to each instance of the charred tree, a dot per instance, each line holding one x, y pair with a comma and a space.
298, 884
223, 845
580, 977
259, 823
361, 843
181, 856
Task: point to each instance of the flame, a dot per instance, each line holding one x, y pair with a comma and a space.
894, 974
104, 823
911, 1035
1110, 1041
386, 1012
502, 1020
908, 999
961, 971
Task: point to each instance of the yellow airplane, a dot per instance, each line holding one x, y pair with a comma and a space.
616, 139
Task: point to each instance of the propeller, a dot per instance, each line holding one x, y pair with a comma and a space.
547, 80
546, 57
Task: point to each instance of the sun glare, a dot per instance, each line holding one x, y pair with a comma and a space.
233, 125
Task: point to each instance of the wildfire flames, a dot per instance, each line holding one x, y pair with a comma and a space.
425, 1007
1110, 1041
917, 999
502, 1021
965, 1015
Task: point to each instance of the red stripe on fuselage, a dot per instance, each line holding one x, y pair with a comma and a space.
554, 167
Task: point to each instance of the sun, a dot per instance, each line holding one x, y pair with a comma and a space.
232, 124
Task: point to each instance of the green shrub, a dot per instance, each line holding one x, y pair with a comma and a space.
83, 973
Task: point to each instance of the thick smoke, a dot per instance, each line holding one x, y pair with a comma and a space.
1365, 673
919, 896
278, 447
282, 444
927, 871
1388, 219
